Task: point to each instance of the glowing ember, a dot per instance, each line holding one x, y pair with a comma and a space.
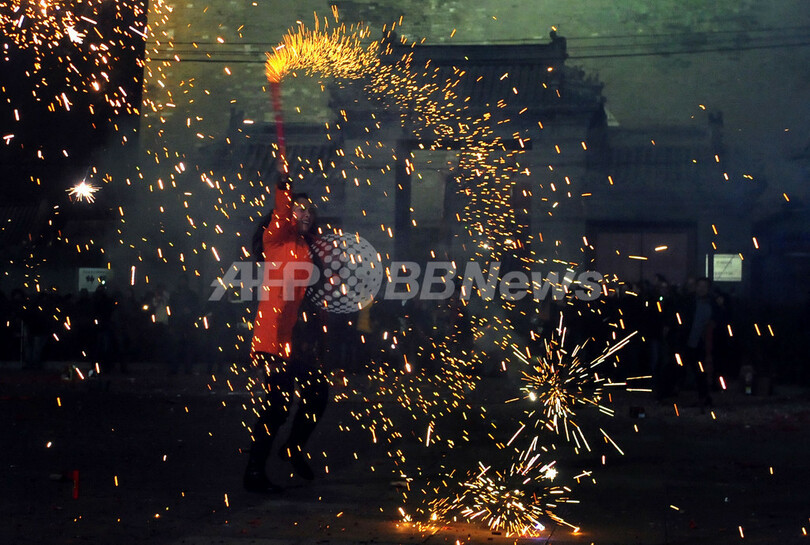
83, 191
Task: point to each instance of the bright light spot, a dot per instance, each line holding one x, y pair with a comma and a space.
83, 191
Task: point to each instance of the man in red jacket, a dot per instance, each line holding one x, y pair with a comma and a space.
285, 249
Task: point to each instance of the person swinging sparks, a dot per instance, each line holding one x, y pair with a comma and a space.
286, 343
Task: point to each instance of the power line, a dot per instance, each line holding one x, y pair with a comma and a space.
523, 42
689, 51
729, 49
698, 33
647, 45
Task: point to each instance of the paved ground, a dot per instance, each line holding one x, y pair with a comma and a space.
159, 461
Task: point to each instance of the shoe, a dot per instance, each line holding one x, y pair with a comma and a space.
705, 404
298, 461
258, 483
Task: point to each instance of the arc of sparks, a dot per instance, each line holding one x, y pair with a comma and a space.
336, 53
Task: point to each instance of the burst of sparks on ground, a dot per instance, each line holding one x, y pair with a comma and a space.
83, 191
520, 500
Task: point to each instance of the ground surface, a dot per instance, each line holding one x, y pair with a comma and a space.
172, 445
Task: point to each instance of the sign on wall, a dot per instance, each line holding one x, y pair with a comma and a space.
91, 278
727, 268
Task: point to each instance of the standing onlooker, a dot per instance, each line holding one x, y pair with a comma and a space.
35, 329
726, 356
185, 309
159, 308
658, 326
127, 322
698, 338
104, 345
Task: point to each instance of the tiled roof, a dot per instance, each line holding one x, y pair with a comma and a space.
527, 76
491, 72
253, 148
263, 157
656, 166
678, 168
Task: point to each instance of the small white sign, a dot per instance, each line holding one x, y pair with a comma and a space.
91, 278
727, 268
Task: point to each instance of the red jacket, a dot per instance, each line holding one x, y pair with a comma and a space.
277, 314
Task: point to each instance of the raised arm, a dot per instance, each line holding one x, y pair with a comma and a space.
281, 227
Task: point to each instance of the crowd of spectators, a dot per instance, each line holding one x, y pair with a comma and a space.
680, 330
180, 329
683, 330
113, 328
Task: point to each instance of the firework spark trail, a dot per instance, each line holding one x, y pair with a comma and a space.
328, 54
336, 54
398, 400
425, 400
434, 111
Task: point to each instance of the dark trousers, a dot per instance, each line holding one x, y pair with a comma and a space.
184, 348
691, 361
281, 378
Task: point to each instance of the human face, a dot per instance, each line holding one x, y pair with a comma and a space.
303, 215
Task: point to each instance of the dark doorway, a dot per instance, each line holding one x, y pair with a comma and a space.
635, 253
